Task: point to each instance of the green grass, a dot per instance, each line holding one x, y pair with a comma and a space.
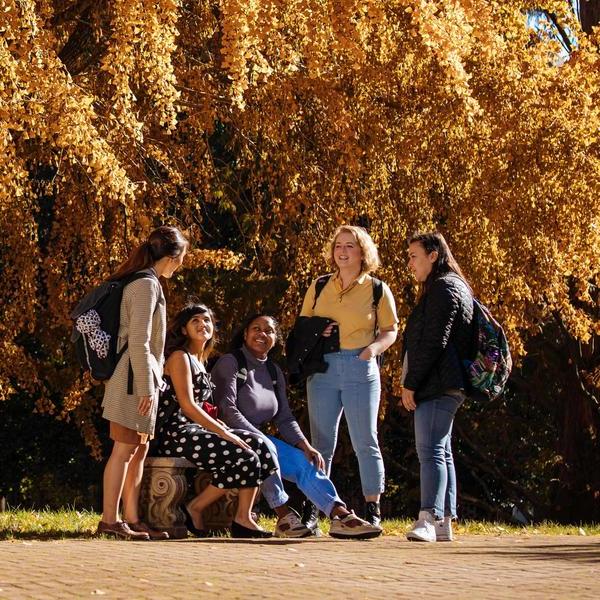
401, 526
47, 524
61, 524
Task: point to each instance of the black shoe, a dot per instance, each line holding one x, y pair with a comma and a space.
239, 531
189, 523
310, 515
373, 514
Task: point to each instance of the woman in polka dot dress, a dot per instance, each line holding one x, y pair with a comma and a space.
235, 458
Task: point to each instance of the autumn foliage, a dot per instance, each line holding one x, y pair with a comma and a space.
258, 126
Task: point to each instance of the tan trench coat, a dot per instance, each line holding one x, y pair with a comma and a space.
143, 327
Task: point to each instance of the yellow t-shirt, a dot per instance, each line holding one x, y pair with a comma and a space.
352, 308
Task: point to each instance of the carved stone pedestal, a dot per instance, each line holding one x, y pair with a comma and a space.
165, 488
217, 516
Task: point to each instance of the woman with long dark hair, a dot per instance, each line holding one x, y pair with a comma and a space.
234, 457
437, 338
131, 394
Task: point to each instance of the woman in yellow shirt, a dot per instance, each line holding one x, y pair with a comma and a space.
351, 384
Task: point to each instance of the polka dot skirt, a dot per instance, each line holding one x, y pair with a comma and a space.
230, 465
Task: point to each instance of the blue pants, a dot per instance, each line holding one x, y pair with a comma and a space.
294, 466
351, 386
433, 433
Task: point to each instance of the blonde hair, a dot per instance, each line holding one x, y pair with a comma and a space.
370, 256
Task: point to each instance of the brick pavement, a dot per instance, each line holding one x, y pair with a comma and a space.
390, 567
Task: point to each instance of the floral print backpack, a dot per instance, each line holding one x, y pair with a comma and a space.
491, 362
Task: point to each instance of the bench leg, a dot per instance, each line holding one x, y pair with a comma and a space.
163, 491
219, 515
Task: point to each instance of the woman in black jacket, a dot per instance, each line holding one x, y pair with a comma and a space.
437, 338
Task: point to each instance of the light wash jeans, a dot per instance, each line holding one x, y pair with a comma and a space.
351, 386
294, 466
433, 433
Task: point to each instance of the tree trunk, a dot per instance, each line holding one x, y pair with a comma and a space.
589, 13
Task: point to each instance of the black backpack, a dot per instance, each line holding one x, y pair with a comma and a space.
96, 326
377, 294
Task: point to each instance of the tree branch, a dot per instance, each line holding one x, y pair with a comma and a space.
563, 37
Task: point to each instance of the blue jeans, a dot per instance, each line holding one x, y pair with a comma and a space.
295, 467
351, 386
433, 433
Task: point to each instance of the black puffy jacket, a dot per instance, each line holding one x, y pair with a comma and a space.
438, 336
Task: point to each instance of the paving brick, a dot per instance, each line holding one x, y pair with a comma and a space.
390, 567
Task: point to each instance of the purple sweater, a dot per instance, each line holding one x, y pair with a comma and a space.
257, 403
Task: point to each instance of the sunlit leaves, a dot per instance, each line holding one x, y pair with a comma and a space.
288, 117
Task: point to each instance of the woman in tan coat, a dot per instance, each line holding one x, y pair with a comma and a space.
131, 395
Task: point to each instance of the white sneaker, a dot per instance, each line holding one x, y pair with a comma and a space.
291, 526
423, 529
443, 530
353, 527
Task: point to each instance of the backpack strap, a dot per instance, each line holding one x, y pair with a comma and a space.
319, 285
242, 373
377, 294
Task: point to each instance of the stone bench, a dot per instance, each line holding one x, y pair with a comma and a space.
165, 488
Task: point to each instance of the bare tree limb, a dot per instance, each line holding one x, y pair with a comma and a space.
563, 37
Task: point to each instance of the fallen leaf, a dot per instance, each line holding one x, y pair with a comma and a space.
99, 593
582, 531
300, 565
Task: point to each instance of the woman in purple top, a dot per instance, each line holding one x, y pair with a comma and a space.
251, 400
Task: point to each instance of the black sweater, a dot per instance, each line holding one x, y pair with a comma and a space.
438, 336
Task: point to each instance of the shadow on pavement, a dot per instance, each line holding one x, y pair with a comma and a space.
581, 553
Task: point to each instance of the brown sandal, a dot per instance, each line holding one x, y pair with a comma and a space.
120, 530
155, 534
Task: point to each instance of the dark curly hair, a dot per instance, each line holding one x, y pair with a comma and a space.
237, 341
176, 340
